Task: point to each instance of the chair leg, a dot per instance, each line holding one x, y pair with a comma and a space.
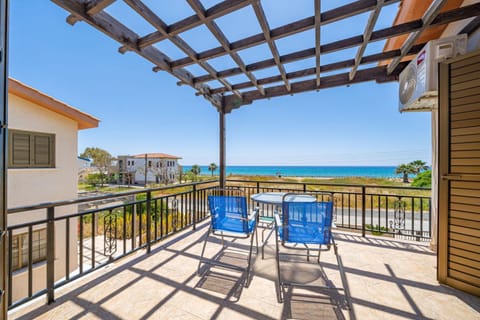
203, 250
247, 281
279, 277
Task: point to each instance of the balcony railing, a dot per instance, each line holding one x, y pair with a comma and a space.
95, 231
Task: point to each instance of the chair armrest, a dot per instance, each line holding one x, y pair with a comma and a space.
278, 221
254, 214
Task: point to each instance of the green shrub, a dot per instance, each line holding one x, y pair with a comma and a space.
423, 179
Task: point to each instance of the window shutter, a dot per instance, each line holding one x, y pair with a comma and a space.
31, 149
20, 151
42, 153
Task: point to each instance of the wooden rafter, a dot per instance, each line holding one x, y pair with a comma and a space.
372, 20
95, 6
156, 22
119, 32
218, 10
262, 19
318, 21
427, 19
376, 73
232, 95
327, 17
442, 18
326, 68
213, 27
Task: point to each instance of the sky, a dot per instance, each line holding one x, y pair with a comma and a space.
143, 111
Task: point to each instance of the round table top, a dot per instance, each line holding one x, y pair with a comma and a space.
277, 197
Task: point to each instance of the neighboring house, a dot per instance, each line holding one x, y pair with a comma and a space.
160, 168
42, 167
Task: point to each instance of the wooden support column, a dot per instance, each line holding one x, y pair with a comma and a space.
221, 116
3, 158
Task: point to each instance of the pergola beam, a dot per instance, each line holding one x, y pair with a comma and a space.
372, 20
95, 6
442, 18
262, 19
318, 21
156, 22
119, 32
327, 17
371, 74
427, 19
325, 68
213, 27
194, 21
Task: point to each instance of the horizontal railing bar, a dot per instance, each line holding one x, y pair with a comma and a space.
330, 184
103, 197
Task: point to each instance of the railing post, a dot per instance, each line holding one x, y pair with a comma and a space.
364, 200
50, 254
194, 207
149, 220
258, 186
304, 187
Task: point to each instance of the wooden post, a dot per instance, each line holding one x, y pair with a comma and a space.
221, 114
3, 159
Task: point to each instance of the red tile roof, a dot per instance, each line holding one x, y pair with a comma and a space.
156, 156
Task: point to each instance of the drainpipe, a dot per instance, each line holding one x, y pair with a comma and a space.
3, 158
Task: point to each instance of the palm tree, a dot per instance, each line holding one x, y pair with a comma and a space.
405, 169
195, 170
418, 166
212, 167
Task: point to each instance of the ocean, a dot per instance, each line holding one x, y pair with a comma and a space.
306, 171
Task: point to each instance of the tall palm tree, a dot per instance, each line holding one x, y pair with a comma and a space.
418, 166
195, 170
405, 169
212, 167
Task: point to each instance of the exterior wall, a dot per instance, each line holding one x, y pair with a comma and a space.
32, 186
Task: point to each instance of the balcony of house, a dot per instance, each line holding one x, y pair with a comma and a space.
138, 258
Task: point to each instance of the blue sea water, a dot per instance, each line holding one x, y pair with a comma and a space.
306, 171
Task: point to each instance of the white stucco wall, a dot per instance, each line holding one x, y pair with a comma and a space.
33, 186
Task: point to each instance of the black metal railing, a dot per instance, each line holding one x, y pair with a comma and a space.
401, 212
100, 230
97, 230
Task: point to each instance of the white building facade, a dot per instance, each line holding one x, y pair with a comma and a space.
148, 168
42, 167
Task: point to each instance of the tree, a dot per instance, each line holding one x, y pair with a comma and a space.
101, 159
423, 179
418, 166
212, 167
195, 170
405, 169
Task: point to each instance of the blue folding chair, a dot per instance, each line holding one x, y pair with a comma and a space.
306, 226
229, 218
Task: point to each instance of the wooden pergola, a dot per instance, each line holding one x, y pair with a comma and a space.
386, 64
382, 66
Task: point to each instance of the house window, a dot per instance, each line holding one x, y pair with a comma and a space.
31, 149
20, 248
